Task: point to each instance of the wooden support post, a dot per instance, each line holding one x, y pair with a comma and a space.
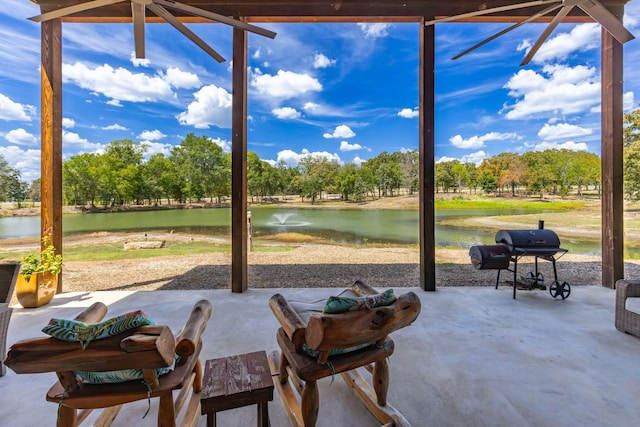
612, 158
427, 160
51, 134
239, 164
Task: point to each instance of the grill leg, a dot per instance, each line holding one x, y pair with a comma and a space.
555, 272
498, 279
515, 275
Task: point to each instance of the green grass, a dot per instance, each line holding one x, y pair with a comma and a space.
484, 203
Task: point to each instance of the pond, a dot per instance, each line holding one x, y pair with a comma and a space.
351, 226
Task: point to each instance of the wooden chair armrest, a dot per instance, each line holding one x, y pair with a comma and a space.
291, 322
332, 331
189, 337
361, 289
92, 314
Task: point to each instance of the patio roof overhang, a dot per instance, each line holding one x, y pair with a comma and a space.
339, 11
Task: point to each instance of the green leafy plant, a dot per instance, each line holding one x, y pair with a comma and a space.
45, 262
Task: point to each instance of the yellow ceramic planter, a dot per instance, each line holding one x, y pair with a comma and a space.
37, 291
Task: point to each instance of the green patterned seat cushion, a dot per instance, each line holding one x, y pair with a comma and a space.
110, 377
340, 303
336, 351
84, 333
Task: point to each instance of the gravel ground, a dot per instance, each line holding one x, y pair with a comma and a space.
312, 265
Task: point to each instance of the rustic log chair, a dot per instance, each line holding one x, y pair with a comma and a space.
321, 333
8, 276
147, 348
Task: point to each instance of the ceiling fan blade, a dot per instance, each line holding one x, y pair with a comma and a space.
164, 14
59, 13
491, 10
513, 27
548, 30
216, 17
604, 17
138, 16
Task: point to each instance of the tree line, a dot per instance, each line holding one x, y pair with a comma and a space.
199, 170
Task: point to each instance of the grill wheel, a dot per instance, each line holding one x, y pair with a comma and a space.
562, 290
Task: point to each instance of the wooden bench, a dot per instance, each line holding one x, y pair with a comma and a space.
236, 381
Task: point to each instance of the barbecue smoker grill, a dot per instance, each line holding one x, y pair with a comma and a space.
515, 244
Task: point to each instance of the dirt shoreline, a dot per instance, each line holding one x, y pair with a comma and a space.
307, 265
314, 265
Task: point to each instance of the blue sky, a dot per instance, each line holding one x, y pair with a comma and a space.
344, 91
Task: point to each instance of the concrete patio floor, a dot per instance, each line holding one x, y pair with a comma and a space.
474, 357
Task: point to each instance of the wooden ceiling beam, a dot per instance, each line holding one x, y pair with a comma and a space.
320, 11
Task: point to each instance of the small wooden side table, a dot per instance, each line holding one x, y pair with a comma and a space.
236, 381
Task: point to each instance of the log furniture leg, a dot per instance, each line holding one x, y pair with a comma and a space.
310, 403
67, 417
381, 381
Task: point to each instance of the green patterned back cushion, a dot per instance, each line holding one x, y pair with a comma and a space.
84, 333
340, 304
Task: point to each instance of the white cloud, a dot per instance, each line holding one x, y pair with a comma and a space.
10, 110
345, 146
475, 158
561, 90
223, 143
292, 158
153, 148
286, 113
72, 139
118, 84
68, 123
321, 61
569, 145
580, 39
181, 79
357, 161
139, 62
151, 135
628, 102
26, 161
408, 113
479, 141
562, 131
342, 131
285, 84
21, 137
374, 30
311, 107
114, 126
212, 107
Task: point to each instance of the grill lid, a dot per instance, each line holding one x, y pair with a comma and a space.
528, 239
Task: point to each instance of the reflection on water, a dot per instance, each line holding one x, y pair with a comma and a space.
335, 225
